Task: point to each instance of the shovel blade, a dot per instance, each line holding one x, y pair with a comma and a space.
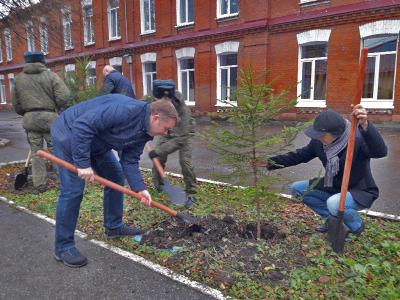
336, 233
175, 193
20, 180
192, 222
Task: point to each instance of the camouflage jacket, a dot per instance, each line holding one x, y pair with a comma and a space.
36, 88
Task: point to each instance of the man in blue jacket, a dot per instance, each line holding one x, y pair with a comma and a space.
116, 83
85, 135
329, 136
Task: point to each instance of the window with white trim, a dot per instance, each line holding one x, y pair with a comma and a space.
3, 90
7, 38
147, 16
70, 73
88, 28
30, 37
184, 12
114, 31
149, 75
312, 68
227, 8
381, 39
44, 37
1, 52
11, 81
186, 79
91, 73
227, 77
116, 63
67, 27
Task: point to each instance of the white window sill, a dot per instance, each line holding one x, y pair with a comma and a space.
148, 32
373, 103
116, 38
89, 44
222, 17
311, 103
69, 48
224, 104
184, 25
190, 103
1, 61
9, 60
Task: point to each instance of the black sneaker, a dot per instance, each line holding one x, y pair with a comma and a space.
71, 258
323, 228
191, 201
360, 230
122, 231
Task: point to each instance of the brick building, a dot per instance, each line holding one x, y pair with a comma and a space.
312, 44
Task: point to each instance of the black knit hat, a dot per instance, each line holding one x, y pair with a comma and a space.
327, 122
32, 57
163, 88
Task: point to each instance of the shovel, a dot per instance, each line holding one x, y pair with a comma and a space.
336, 229
174, 192
22, 178
186, 218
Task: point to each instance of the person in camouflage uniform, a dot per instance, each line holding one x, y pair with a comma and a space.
38, 96
179, 139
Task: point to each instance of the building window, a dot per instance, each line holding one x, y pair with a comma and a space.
1, 52
381, 39
149, 75
44, 37
186, 79
69, 74
67, 28
113, 20
184, 12
3, 90
11, 81
148, 19
116, 63
7, 38
313, 65
91, 74
227, 8
87, 15
30, 37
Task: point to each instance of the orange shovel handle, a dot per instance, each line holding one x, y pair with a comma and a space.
62, 163
156, 162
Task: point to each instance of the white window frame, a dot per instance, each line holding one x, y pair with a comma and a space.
142, 14
115, 61
1, 51
89, 80
11, 81
230, 47
383, 27
317, 36
178, 14
181, 54
116, 12
8, 43
30, 36
3, 94
227, 15
44, 36
145, 58
307, 1
88, 31
67, 27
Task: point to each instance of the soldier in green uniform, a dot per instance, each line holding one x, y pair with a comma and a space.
179, 139
38, 96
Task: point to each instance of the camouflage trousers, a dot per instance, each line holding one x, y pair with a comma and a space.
165, 146
39, 167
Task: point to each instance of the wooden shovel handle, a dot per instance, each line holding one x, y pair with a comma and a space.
47, 156
353, 129
156, 162
28, 158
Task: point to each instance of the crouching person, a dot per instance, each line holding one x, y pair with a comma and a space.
85, 135
329, 136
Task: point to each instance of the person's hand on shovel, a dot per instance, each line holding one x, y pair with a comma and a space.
145, 197
86, 174
361, 115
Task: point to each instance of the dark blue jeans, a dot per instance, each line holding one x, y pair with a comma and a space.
71, 194
325, 204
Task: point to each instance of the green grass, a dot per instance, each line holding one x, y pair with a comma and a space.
369, 268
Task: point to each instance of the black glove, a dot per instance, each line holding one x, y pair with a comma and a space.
153, 154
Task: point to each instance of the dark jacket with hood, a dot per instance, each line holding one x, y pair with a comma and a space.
369, 144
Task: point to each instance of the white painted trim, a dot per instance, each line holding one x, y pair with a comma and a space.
380, 27
187, 52
86, 2
180, 88
91, 65
178, 11
10, 75
142, 25
115, 61
148, 57
117, 9
312, 36
227, 47
69, 68
227, 15
219, 68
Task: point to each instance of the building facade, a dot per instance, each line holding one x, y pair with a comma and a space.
309, 46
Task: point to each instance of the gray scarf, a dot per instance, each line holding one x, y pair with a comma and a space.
332, 151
